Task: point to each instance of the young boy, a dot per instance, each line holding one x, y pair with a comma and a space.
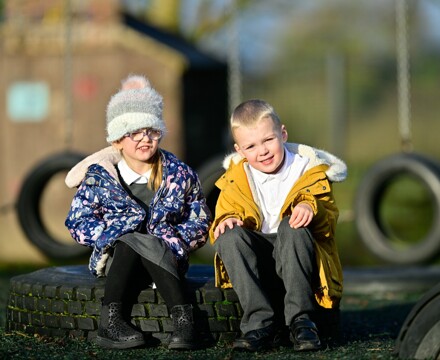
274, 224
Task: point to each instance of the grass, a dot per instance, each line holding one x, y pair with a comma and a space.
369, 326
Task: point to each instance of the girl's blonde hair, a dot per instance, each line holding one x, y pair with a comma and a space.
156, 172
250, 112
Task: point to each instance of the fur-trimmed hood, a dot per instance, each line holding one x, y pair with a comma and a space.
337, 169
107, 158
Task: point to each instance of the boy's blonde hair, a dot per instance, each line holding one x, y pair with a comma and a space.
248, 113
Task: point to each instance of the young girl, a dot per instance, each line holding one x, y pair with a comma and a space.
142, 212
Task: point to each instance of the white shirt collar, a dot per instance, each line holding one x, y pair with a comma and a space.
130, 176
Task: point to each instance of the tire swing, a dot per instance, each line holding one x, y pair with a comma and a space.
209, 173
29, 206
381, 238
376, 234
29, 209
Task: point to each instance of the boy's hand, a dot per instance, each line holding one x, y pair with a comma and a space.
229, 222
301, 216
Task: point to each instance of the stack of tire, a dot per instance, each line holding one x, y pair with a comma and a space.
65, 301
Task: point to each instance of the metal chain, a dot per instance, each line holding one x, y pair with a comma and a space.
403, 75
68, 75
234, 73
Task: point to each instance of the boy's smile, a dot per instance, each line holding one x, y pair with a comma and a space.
262, 145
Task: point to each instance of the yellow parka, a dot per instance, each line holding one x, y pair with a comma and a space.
238, 199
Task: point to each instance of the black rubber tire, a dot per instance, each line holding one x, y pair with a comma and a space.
209, 173
420, 333
367, 201
66, 302
29, 210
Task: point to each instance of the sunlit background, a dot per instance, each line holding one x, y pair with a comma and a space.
357, 78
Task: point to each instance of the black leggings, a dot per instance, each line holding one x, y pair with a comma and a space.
130, 270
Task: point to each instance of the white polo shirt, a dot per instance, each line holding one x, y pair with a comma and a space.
272, 189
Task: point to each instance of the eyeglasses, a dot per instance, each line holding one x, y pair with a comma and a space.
152, 134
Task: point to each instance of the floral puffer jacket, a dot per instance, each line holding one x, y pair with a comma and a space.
102, 211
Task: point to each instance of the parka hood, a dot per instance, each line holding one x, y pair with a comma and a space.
107, 158
337, 169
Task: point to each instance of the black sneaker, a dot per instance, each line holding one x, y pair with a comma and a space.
256, 340
304, 335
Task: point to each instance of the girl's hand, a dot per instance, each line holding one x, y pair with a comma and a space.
229, 222
301, 216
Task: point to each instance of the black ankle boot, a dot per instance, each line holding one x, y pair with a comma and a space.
182, 337
114, 332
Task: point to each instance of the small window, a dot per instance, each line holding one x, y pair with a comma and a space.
28, 101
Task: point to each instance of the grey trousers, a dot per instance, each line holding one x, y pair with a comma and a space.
270, 272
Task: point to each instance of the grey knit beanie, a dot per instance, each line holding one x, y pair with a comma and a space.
134, 109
